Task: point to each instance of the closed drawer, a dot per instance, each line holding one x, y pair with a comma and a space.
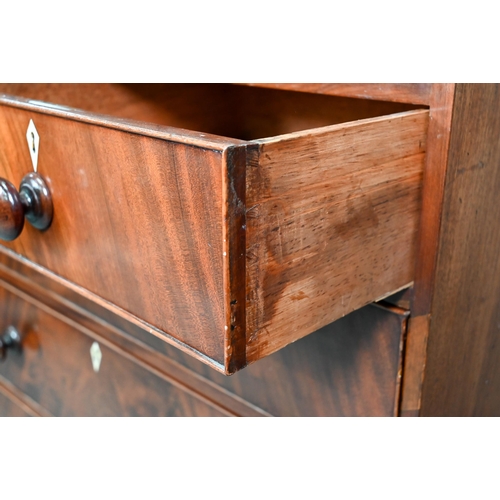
228, 248
351, 367
54, 370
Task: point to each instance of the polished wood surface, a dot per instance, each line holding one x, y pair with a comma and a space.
59, 355
416, 93
179, 271
9, 408
117, 333
432, 194
15, 403
11, 211
367, 363
462, 375
442, 96
37, 201
218, 111
127, 222
349, 368
113, 118
331, 225
33, 201
360, 354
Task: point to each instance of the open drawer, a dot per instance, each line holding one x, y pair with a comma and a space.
228, 248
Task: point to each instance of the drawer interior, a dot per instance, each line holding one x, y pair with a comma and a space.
234, 111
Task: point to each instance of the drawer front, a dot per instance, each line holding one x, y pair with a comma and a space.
128, 224
55, 370
350, 368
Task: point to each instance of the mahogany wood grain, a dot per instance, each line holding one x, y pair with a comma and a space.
414, 364
462, 375
438, 141
132, 125
152, 221
9, 408
215, 109
440, 116
123, 337
416, 93
60, 357
331, 225
349, 368
127, 222
455, 280
15, 403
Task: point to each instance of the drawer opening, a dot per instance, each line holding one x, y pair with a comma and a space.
228, 110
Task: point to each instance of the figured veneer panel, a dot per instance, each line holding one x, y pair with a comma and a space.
349, 368
137, 220
55, 370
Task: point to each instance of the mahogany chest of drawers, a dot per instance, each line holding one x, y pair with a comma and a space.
247, 250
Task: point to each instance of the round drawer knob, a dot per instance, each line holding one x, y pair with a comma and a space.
33, 201
10, 339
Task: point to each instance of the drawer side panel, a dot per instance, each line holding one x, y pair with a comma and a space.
331, 224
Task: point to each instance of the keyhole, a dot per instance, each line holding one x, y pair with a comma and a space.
33, 142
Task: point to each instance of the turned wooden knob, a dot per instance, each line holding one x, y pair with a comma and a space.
33, 201
10, 339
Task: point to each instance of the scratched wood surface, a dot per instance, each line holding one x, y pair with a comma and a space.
332, 221
55, 370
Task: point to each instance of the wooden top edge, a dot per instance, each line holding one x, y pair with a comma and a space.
411, 93
87, 295
339, 126
173, 134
